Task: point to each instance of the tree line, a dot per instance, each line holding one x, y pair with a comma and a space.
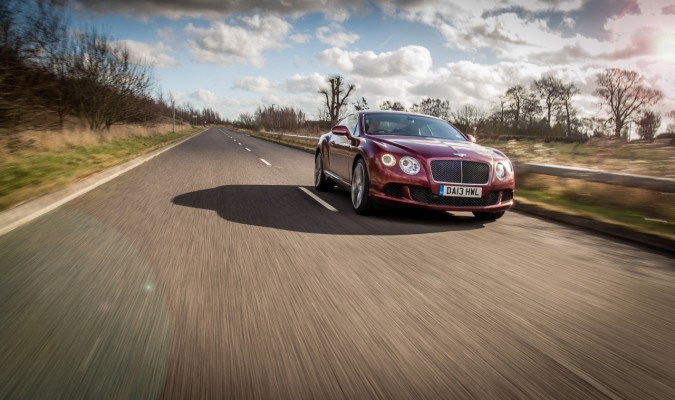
273, 118
543, 108
51, 71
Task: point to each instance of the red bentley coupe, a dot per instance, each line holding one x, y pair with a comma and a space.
390, 158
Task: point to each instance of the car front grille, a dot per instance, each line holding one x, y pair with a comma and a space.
424, 195
460, 171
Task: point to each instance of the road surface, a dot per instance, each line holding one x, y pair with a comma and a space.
210, 272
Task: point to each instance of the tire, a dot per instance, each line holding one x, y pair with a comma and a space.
361, 201
321, 183
488, 216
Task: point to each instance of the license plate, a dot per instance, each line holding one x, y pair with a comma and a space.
460, 191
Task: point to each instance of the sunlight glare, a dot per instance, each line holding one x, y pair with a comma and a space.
665, 45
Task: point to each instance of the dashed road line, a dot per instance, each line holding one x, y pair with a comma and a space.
85, 364
247, 149
318, 199
268, 164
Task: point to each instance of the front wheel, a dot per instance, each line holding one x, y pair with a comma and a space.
361, 201
321, 183
488, 216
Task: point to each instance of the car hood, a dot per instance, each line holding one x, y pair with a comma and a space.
436, 148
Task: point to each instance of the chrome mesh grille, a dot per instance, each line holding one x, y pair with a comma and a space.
460, 171
424, 195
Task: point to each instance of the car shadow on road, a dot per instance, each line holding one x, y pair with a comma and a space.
289, 208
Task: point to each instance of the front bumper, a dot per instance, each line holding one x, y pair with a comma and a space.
494, 198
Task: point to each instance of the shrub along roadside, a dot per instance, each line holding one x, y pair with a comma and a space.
33, 173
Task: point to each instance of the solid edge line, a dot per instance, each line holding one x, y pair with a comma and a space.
318, 199
268, 164
44, 210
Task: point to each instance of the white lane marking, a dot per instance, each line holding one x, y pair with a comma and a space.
239, 143
318, 199
85, 364
247, 149
663, 221
268, 164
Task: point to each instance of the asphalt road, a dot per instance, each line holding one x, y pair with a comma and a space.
208, 273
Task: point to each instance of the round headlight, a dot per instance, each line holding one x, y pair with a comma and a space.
409, 165
500, 170
388, 160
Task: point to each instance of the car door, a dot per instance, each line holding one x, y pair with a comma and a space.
341, 150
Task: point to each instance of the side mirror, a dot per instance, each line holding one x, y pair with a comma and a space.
472, 138
340, 130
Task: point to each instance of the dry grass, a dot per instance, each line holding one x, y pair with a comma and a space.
653, 159
78, 135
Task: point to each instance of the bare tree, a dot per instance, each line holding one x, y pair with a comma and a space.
434, 107
336, 96
648, 124
468, 117
112, 85
515, 97
567, 111
361, 104
531, 111
395, 106
549, 89
622, 91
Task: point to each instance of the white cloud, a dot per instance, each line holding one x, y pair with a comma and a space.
304, 83
204, 96
166, 34
227, 44
406, 61
254, 84
150, 54
301, 38
335, 36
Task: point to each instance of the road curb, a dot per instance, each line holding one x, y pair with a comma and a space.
32, 209
660, 243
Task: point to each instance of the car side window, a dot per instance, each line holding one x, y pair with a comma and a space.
351, 121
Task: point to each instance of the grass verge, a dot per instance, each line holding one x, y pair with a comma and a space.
308, 145
631, 218
32, 173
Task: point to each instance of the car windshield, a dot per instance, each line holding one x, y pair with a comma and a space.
410, 125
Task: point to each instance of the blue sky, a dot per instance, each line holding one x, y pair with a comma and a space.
234, 56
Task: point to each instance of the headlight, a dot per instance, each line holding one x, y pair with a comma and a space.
388, 160
502, 169
409, 165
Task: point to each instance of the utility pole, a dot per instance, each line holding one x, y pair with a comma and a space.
173, 107
273, 119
